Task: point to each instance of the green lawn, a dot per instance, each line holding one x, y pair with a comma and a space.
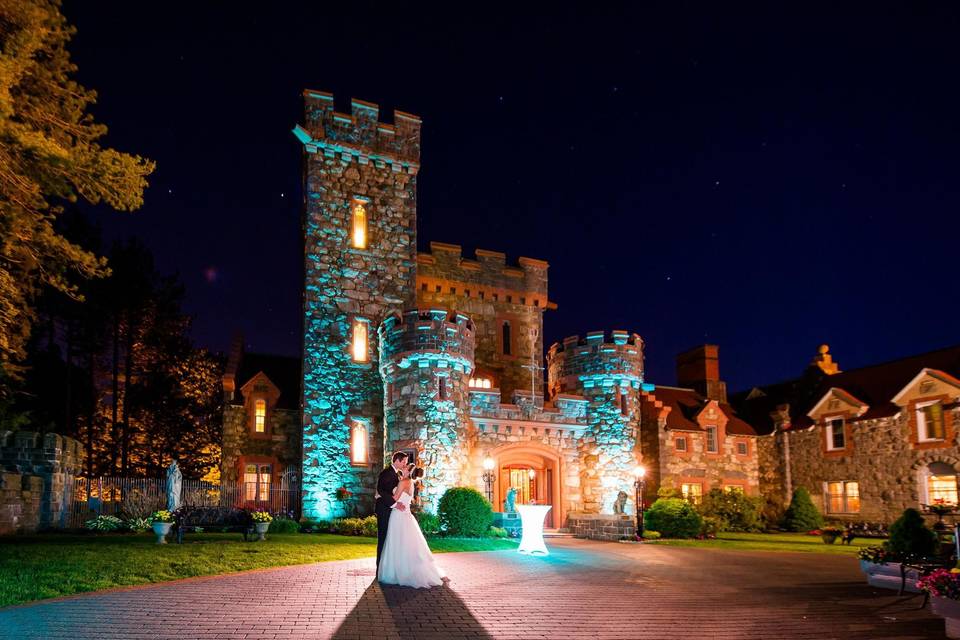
50, 565
794, 542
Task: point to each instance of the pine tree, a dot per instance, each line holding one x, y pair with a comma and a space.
49, 155
910, 537
802, 514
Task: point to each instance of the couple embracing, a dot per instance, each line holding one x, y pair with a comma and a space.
403, 556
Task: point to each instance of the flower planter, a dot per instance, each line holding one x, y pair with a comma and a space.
162, 529
887, 576
949, 610
261, 529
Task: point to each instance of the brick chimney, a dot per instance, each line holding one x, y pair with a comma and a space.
699, 369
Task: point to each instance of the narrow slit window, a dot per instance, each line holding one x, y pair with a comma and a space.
624, 409
359, 346
358, 442
442, 388
506, 338
359, 233
260, 415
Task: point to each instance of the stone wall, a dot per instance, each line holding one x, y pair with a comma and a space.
351, 158
426, 362
603, 527
491, 293
37, 480
283, 443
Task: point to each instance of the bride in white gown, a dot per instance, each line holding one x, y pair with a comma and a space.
406, 559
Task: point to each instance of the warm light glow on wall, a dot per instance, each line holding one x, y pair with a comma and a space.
260, 415
359, 341
359, 225
358, 443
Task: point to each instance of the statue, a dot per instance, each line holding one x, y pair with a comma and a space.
510, 504
620, 504
174, 485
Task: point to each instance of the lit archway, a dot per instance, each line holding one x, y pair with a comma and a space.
513, 464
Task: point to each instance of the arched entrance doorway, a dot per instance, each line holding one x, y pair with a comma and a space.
534, 470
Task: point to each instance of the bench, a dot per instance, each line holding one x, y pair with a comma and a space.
198, 518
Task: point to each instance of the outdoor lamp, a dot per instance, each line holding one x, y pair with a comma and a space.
489, 477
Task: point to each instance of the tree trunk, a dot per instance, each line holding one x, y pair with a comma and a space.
127, 373
114, 425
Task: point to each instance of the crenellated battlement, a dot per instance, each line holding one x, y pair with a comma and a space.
427, 338
488, 271
359, 135
582, 363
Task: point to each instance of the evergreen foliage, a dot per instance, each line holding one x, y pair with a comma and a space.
802, 515
909, 536
463, 511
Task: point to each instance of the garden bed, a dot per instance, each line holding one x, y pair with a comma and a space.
783, 542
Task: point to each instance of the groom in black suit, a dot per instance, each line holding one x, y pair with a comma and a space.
386, 483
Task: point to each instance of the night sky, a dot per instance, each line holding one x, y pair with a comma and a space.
762, 179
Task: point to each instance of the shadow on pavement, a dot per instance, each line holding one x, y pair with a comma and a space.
387, 611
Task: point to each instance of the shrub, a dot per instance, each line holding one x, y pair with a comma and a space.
710, 527
909, 536
733, 510
669, 492
138, 524
463, 511
347, 526
104, 523
369, 526
429, 523
651, 535
284, 525
315, 526
674, 518
802, 514
497, 532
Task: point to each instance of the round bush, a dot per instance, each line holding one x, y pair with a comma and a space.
284, 525
802, 514
673, 518
909, 536
464, 511
497, 532
732, 510
649, 534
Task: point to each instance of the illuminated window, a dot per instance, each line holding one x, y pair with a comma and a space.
712, 440
260, 415
692, 491
359, 348
842, 497
505, 337
358, 442
836, 439
480, 383
256, 481
742, 448
359, 233
930, 421
733, 488
680, 444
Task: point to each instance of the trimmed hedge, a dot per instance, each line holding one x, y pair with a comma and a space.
463, 511
673, 518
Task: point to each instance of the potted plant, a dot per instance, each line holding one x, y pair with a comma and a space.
261, 522
161, 521
829, 535
940, 508
944, 589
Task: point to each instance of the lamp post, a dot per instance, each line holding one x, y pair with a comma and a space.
638, 485
489, 477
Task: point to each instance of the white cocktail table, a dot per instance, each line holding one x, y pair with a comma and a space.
531, 519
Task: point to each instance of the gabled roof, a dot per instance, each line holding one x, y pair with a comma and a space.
875, 385
283, 371
843, 395
927, 371
686, 404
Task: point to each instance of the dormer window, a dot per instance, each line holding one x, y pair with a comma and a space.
930, 421
836, 438
358, 232
260, 415
358, 347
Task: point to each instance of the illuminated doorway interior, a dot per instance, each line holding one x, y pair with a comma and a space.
536, 478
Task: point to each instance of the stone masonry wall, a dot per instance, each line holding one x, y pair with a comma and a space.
283, 444
350, 156
491, 292
36, 480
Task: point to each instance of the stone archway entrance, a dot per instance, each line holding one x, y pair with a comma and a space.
535, 471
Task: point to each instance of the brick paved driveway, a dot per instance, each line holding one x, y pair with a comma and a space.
583, 590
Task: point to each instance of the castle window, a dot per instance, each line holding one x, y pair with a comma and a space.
466, 292
509, 298
453, 290
481, 295
842, 497
536, 302
938, 484
712, 440
523, 301
442, 388
496, 297
423, 286
692, 491
359, 227
624, 409
359, 347
742, 448
480, 383
358, 442
505, 337
680, 444
836, 438
260, 415
930, 421
256, 481
439, 289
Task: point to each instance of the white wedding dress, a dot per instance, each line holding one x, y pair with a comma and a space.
406, 559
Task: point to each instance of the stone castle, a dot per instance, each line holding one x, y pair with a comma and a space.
441, 355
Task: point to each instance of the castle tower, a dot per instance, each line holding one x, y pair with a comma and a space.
609, 374
426, 362
359, 228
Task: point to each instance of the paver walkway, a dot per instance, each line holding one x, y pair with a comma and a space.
582, 590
